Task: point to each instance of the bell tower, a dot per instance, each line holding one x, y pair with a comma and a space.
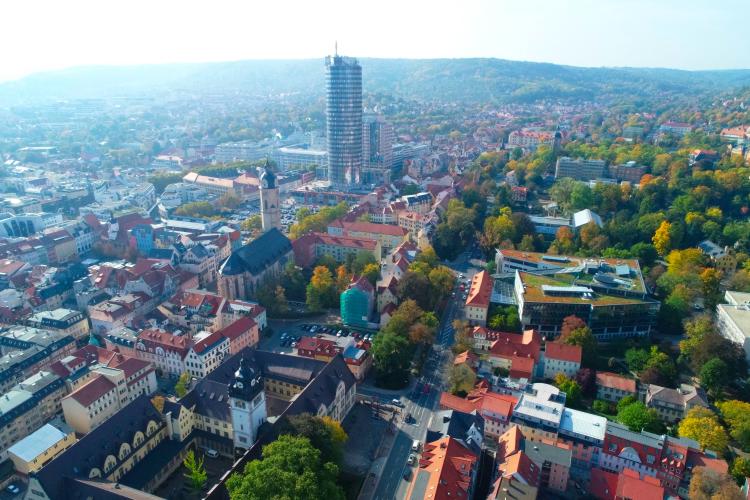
247, 402
269, 200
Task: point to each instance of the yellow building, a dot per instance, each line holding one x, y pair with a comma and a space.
34, 451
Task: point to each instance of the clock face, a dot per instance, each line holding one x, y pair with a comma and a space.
264, 183
239, 385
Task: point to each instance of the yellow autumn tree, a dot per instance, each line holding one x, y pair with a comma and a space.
662, 240
702, 425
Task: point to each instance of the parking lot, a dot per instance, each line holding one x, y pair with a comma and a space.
287, 334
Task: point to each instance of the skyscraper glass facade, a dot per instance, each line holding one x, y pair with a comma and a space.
344, 121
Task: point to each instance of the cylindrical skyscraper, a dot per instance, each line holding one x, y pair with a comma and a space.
344, 121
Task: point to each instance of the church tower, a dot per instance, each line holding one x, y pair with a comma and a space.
247, 402
269, 200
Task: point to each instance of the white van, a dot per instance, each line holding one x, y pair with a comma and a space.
415, 445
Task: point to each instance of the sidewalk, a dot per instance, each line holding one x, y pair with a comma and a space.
370, 484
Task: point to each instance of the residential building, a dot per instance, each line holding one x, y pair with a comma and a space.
517, 353
447, 469
724, 259
247, 268
207, 351
28, 406
627, 485
495, 409
35, 450
529, 139
344, 120
560, 358
539, 411
310, 247
584, 434
387, 235
675, 128
297, 158
325, 349
478, 298
63, 321
94, 466
673, 405
733, 319
26, 351
579, 169
613, 387
630, 172
552, 459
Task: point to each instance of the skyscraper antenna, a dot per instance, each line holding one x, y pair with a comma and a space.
336, 48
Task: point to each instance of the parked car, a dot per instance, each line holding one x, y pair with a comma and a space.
397, 402
13, 489
412, 459
212, 453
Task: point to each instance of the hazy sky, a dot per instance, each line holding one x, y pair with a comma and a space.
40, 35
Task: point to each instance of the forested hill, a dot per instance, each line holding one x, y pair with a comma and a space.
474, 80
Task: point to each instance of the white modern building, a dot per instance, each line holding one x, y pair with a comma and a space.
733, 319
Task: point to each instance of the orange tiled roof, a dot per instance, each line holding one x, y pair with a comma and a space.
564, 352
615, 381
480, 290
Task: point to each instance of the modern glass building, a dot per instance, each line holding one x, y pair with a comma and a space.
344, 121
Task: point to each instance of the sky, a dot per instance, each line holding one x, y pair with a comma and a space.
42, 35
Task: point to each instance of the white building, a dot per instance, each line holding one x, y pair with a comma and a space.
733, 319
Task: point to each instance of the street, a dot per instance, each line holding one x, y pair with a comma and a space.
421, 400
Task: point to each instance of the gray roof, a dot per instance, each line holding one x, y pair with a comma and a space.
258, 255
539, 453
62, 473
456, 424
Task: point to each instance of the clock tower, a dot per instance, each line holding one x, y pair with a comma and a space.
269, 200
247, 402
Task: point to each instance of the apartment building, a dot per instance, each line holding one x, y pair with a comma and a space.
580, 169
63, 321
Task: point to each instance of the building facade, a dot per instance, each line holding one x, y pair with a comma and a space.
344, 120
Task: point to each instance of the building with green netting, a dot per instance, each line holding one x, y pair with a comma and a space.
357, 303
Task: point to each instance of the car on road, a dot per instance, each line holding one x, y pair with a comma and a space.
415, 445
212, 453
13, 489
412, 459
397, 402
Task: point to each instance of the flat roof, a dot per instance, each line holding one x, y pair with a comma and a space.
583, 424
37, 442
740, 316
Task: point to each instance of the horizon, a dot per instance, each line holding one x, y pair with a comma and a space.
81, 34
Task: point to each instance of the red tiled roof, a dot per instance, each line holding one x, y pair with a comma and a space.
345, 241
615, 381
629, 485
201, 346
603, 484
165, 340
371, 227
564, 352
521, 368
509, 345
480, 290
237, 328
482, 402
92, 391
448, 464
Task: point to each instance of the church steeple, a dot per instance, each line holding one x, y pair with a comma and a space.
269, 199
247, 402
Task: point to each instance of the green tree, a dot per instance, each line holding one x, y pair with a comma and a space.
662, 238
461, 379
392, 355
372, 273
322, 433
162, 180
583, 337
252, 224
715, 376
571, 389
291, 468
637, 417
321, 291
741, 469
737, 416
196, 472
181, 387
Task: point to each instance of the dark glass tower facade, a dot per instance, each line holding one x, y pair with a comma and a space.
344, 121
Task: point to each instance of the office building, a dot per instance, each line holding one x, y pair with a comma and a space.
377, 150
582, 170
344, 120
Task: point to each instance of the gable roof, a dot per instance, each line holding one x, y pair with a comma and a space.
615, 381
257, 255
564, 352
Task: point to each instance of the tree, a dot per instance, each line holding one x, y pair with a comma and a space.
462, 336
441, 280
372, 273
583, 337
636, 359
321, 291
420, 333
461, 379
415, 286
182, 385
702, 425
361, 260
569, 324
291, 468
741, 469
662, 239
637, 417
329, 439
228, 201
571, 389
711, 287
715, 376
196, 473
708, 484
162, 180
196, 209
342, 279
282, 305
252, 224
586, 378
737, 416
391, 358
